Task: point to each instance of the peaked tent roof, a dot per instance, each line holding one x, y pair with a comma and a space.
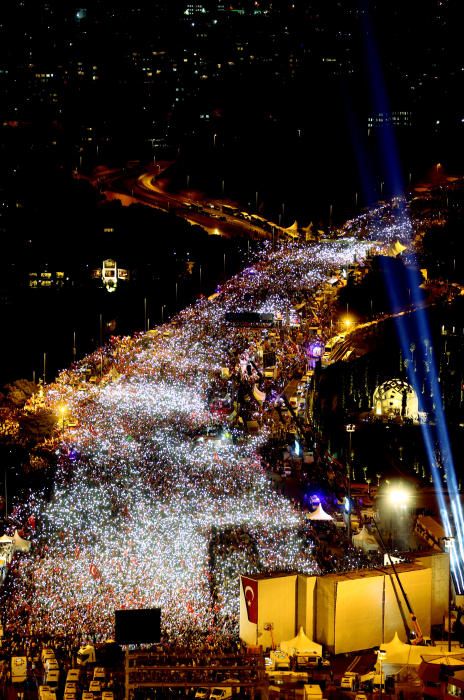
259, 395
293, 227
396, 651
19, 544
301, 644
319, 514
365, 540
6, 539
396, 248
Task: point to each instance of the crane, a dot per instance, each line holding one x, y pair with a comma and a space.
418, 634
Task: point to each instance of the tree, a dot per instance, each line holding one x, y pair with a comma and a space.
38, 425
20, 391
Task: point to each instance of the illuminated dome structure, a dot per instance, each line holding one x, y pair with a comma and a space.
396, 398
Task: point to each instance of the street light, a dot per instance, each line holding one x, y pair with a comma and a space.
350, 428
62, 409
399, 496
347, 322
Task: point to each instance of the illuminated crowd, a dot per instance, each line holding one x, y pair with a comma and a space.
143, 512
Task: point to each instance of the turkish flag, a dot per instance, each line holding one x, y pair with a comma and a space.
250, 591
94, 571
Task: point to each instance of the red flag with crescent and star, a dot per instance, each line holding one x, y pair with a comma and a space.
94, 571
250, 592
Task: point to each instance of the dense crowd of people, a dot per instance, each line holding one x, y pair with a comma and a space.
147, 510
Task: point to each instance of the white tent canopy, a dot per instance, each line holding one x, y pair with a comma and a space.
365, 540
293, 227
395, 248
301, 644
402, 654
319, 514
6, 539
19, 544
259, 395
396, 651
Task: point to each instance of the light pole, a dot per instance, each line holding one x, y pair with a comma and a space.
381, 655
5, 475
163, 306
62, 410
101, 345
350, 428
448, 543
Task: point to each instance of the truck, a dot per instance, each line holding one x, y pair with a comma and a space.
52, 679
18, 669
312, 691
86, 655
308, 661
350, 681
46, 693
222, 693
